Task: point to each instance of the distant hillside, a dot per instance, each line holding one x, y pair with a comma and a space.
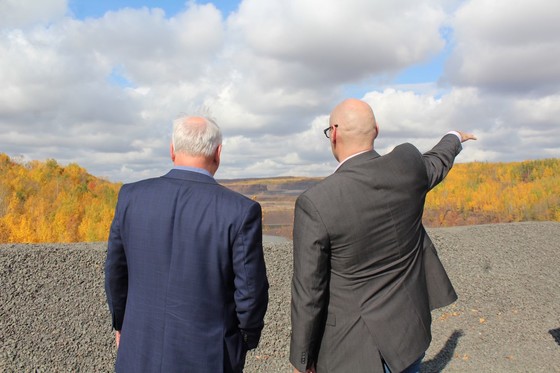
45, 202
481, 193
286, 185
472, 193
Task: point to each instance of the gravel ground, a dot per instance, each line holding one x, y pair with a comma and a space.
53, 316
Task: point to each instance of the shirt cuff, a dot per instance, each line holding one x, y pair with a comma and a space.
455, 133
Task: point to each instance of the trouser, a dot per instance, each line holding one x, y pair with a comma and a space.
412, 368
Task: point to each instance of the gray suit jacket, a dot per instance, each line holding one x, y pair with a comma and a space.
366, 274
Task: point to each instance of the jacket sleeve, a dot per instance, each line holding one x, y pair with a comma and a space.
310, 281
251, 283
439, 160
116, 271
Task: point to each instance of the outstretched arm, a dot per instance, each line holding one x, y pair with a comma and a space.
439, 160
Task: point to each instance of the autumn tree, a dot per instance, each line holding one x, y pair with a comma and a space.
45, 202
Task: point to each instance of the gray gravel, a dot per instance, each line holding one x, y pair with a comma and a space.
53, 316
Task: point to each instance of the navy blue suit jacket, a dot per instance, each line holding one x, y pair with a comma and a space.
185, 275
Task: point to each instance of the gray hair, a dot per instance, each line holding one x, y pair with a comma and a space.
196, 136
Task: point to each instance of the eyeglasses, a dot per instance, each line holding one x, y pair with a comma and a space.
328, 130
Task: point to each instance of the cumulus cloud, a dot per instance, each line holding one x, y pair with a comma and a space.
508, 129
102, 91
328, 41
24, 13
295, 56
507, 46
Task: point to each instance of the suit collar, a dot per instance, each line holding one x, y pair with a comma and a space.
350, 157
356, 159
190, 176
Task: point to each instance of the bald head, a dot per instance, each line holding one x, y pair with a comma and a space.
356, 128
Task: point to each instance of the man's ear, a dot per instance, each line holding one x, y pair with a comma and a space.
217, 155
333, 134
172, 152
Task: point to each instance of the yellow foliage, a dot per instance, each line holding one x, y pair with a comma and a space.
477, 193
44, 202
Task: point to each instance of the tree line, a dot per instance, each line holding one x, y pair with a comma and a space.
47, 202
481, 193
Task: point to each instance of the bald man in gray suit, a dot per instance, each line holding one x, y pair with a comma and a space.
366, 274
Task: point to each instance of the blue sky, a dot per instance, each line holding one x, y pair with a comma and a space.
95, 9
99, 82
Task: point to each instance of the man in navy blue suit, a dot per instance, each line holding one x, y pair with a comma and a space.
185, 275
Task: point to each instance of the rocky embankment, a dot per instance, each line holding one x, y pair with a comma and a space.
53, 316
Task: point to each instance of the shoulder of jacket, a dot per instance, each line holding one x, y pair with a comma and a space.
139, 183
321, 187
234, 195
405, 152
406, 146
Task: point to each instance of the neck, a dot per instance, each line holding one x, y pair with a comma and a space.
196, 162
342, 156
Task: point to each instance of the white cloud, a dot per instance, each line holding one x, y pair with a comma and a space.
102, 92
510, 46
328, 42
508, 129
23, 13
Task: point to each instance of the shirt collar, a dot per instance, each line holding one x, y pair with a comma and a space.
194, 169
